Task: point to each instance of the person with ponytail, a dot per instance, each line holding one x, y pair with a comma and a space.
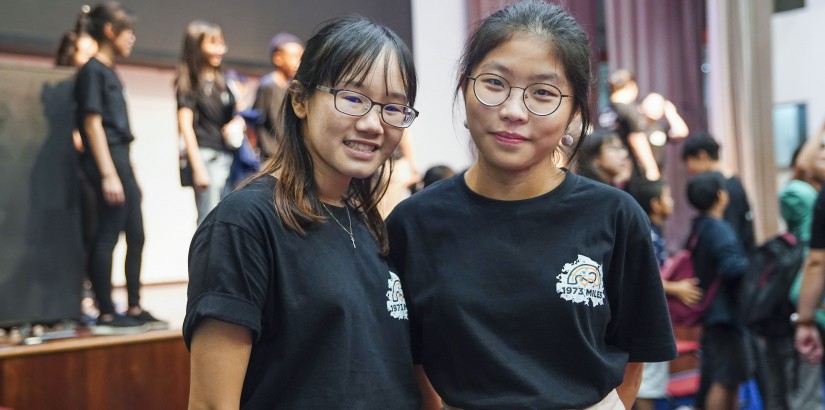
103, 121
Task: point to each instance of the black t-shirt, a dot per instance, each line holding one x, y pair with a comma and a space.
818, 224
533, 304
329, 321
738, 214
98, 90
212, 108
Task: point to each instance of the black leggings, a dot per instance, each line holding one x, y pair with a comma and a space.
111, 221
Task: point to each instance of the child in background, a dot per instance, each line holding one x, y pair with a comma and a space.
656, 199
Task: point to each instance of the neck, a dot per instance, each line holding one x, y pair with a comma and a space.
279, 78
494, 183
106, 55
331, 190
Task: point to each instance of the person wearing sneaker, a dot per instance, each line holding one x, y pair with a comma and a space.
291, 303
103, 122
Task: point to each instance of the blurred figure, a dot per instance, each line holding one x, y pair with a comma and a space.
207, 122
246, 160
103, 121
403, 175
624, 117
285, 51
604, 158
434, 174
662, 124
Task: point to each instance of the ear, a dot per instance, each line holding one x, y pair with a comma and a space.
299, 103
278, 58
109, 31
656, 205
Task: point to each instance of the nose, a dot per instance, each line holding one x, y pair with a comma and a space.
371, 122
514, 108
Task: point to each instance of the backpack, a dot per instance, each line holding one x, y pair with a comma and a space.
765, 306
679, 267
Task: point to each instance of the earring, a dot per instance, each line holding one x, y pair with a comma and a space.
567, 140
467, 126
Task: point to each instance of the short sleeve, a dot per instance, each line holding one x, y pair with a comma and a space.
186, 100
229, 277
89, 88
641, 323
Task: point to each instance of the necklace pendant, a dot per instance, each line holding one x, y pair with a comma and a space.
352, 238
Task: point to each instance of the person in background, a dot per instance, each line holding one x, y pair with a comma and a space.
285, 52
719, 262
656, 200
76, 48
434, 174
792, 382
624, 117
207, 121
291, 302
529, 287
603, 157
103, 121
662, 124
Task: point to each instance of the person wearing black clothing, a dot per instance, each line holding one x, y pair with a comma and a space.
700, 152
529, 287
291, 302
103, 123
719, 262
808, 339
207, 121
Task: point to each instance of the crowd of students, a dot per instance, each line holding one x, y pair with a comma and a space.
517, 283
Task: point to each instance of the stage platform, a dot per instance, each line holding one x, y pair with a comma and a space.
142, 371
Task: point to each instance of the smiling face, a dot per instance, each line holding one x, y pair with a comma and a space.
213, 48
344, 146
509, 137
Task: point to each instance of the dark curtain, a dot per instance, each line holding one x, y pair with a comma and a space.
661, 41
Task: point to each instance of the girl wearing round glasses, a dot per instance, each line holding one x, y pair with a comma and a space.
291, 301
528, 287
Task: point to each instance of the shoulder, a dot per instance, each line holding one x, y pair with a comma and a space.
249, 207
438, 195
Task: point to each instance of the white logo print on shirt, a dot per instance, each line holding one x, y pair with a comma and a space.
396, 304
581, 281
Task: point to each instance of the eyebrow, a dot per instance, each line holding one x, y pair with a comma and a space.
549, 76
358, 88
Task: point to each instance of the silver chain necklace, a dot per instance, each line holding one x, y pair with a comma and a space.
350, 231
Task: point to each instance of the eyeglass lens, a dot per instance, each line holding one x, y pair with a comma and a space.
540, 98
352, 103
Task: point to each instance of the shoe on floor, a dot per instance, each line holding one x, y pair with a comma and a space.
146, 318
118, 325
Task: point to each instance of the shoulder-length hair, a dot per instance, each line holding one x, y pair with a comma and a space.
192, 62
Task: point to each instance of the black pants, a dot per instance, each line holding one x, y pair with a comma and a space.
111, 221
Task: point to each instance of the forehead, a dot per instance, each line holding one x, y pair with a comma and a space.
525, 58
291, 48
383, 77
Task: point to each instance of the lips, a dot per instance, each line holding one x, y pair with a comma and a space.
361, 146
509, 137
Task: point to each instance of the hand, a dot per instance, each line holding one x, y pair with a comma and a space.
687, 291
113, 190
200, 178
808, 343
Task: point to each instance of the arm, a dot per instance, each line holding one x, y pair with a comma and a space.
219, 358
678, 127
110, 181
186, 129
429, 398
630, 384
807, 339
641, 148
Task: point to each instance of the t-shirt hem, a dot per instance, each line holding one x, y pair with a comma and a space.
223, 307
